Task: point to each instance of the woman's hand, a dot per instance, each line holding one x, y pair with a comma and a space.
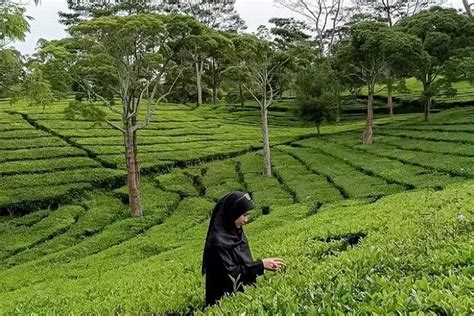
273, 264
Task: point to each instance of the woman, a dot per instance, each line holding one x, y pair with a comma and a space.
227, 261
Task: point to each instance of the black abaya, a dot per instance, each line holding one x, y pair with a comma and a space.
227, 260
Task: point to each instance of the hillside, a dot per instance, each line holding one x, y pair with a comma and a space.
384, 228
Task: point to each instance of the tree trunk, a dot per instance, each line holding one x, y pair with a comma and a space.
133, 171
215, 81
390, 98
427, 96
318, 129
467, 6
198, 84
368, 132
267, 165
427, 108
214, 94
241, 94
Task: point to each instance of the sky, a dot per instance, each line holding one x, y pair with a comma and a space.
45, 24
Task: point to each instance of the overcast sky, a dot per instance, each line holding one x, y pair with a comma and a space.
46, 25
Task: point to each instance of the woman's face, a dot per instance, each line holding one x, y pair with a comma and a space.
242, 220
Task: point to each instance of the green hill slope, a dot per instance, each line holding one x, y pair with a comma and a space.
381, 229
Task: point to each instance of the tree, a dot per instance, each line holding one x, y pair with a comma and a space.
219, 14
210, 46
261, 63
58, 62
290, 36
468, 7
215, 14
236, 73
137, 50
35, 89
219, 63
80, 11
373, 48
317, 93
288, 32
14, 24
19, 81
11, 70
391, 12
324, 17
203, 45
444, 35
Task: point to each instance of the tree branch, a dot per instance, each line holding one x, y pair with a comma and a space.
115, 126
253, 95
152, 105
90, 90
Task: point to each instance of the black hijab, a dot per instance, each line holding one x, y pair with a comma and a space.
222, 231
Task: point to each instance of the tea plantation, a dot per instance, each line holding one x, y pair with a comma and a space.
385, 228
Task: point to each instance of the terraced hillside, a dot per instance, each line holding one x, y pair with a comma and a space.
383, 229
47, 158
464, 93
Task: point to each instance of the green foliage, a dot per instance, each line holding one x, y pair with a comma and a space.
359, 185
17, 167
176, 181
373, 48
418, 246
266, 191
221, 178
58, 62
87, 111
34, 89
444, 35
304, 181
408, 258
317, 93
106, 262
27, 199
14, 23
391, 170
11, 70
19, 239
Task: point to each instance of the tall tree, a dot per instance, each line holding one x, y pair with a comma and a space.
256, 57
58, 62
203, 46
317, 93
11, 70
391, 12
373, 48
215, 14
137, 50
288, 32
324, 16
18, 80
34, 88
219, 63
84, 10
444, 34
220, 14
291, 36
